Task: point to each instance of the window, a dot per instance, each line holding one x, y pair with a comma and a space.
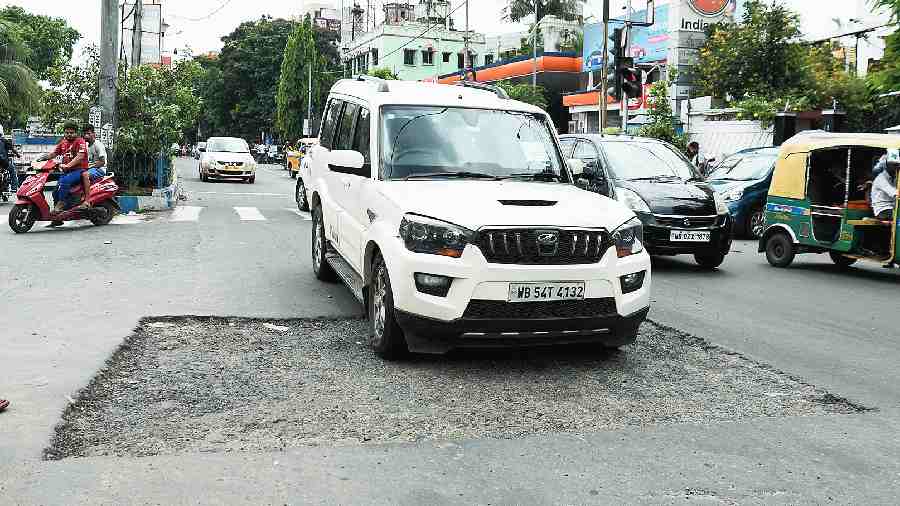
567, 145
488, 59
409, 56
642, 160
585, 151
329, 123
361, 139
374, 57
460, 61
473, 60
344, 137
428, 57
447, 57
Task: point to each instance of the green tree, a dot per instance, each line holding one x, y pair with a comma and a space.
303, 67
517, 10
383, 73
662, 122
534, 95
757, 56
887, 78
19, 91
47, 39
71, 90
240, 86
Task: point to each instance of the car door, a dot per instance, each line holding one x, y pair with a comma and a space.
327, 182
356, 209
346, 177
598, 179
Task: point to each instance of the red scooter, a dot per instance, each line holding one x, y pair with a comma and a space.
32, 206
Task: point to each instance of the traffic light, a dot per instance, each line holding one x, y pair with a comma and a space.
630, 78
617, 52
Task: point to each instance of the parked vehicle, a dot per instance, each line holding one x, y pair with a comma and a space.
303, 174
451, 214
294, 157
819, 201
742, 180
32, 206
227, 158
681, 213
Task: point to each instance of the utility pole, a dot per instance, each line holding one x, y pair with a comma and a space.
466, 47
307, 130
534, 30
109, 58
603, 80
626, 39
137, 34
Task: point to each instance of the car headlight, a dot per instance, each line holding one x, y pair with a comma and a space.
629, 238
632, 200
733, 195
721, 207
421, 234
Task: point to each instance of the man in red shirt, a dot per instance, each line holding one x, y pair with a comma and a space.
74, 151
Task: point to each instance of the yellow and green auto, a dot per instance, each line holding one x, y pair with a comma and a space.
295, 156
819, 200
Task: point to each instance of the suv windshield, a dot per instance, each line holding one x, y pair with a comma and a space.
647, 160
227, 146
436, 142
745, 167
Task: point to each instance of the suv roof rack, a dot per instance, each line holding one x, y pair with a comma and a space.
381, 84
500, 92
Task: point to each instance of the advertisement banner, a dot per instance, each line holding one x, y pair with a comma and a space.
648, 44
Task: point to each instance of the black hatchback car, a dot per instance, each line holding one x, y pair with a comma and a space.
681, 213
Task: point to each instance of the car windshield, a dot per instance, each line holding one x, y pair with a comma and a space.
647, 160
228, 146
442, 142
744, 167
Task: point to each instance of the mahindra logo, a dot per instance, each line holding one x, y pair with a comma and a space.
687, 222
709, 7
548, 242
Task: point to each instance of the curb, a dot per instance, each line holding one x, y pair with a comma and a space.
162, 199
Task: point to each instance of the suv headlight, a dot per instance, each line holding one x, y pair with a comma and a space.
629, 238
721, 207
632, 200
733, 195
421, 234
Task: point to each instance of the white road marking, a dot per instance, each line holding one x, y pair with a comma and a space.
186, 213
128, 219
246, 194
303, 216
249, 214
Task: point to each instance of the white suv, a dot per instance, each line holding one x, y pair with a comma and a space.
451, 214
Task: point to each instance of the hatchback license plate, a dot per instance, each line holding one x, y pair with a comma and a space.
531, 292
689, 236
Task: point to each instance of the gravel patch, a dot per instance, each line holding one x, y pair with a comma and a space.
183, 385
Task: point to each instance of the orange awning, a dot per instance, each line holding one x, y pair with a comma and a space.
587, 98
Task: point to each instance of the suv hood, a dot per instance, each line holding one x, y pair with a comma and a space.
475, 204
675, 198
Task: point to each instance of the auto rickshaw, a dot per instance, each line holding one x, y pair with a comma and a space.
294, 157
820, 201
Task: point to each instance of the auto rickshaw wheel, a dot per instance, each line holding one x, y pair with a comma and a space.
841, 260
780, 250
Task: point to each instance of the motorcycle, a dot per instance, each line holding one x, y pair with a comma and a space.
32, 206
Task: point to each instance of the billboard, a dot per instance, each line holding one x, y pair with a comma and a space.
151, 31
648, 44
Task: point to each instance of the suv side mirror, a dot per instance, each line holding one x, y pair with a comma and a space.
346, 161
576, 167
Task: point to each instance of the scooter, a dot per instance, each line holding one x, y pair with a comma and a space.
32, 206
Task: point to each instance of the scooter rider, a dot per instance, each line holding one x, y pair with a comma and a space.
96, 160
75, 161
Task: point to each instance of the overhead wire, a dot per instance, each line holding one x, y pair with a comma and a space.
204, 18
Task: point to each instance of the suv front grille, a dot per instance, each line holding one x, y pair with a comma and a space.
531, 246
686, 221
503, 310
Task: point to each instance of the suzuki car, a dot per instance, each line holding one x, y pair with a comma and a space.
227, 158
452, 215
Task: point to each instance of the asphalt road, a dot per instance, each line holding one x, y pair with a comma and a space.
70, 297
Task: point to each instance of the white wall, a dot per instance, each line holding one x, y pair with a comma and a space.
719, 139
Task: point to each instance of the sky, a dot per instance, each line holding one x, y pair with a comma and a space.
204, 34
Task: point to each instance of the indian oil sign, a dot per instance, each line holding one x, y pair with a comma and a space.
697, 15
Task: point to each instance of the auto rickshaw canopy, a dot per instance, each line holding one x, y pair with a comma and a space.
789, 178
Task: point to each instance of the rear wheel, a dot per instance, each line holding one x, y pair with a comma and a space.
780, 250
387, 336
841, 260
300, 196
709, 260
321, 267
22, 217
105, 213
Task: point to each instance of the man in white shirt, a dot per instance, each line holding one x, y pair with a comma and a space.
884, 188
96, 161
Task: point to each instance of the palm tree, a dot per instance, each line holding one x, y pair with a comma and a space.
19, 91
516, 10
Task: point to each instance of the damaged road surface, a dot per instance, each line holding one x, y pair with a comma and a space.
184, 385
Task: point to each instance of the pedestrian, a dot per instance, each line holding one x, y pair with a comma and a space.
693, 154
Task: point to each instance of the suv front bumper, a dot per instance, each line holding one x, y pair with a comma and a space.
476, 311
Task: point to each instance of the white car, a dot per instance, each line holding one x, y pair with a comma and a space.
227, 158
451, 214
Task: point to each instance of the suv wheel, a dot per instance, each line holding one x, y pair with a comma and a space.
300, 196
321, 267
780, 250
709, 260
387, 337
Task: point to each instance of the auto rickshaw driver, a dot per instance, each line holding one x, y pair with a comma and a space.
884, 188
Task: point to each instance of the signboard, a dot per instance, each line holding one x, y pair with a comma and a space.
697, 15
151, 31
95, 116
306, 128
106, 136
648, 44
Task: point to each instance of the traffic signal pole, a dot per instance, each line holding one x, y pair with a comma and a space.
603, 80
626, 40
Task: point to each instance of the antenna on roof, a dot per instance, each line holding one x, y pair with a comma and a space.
381, 84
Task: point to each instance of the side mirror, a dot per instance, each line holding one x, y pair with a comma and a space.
576, 167
346, 161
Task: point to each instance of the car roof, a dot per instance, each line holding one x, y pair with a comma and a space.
811, 141
768, 150
427, 94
